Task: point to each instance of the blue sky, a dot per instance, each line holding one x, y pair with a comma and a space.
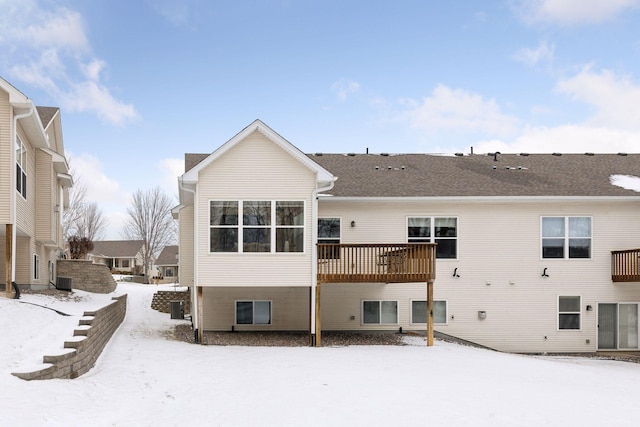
142, 82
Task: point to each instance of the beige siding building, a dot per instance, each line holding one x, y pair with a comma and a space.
533, 253
34, 182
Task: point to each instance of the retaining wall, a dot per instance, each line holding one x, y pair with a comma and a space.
161, 300
86, 275
80, 352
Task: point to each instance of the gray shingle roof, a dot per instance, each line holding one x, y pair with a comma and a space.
428, 175
423, 175
46, 114
168, 256
117, 248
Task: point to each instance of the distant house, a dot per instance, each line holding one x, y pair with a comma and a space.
34, 184
167, 263
121, 256
534, 253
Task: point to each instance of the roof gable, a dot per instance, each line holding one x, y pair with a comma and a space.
168, 256
197, 164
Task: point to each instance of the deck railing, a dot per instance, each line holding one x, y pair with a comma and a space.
625, 265
386, 263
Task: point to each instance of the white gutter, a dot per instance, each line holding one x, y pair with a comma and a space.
194, 289
327, 198
314, 249
13, 190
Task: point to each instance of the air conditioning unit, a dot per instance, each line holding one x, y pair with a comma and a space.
177, 309
63, 283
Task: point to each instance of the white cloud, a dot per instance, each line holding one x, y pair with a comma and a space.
171, 169
178, 13
95, 97
543, 53
578, 138
458, 110
344, 88
49, 49
62, 29
615, 98
89, 172
571, 12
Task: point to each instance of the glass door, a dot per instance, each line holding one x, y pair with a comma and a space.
607, 326
618, 326
628, 326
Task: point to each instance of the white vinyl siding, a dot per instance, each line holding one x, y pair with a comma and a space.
255, 169
520, 303
289, 308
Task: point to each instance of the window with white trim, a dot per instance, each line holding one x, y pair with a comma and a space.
329, 232
125, 263
36, 266
566, 237
267, 226
419, 312
253, 312
21, 167
432, 229
379, 312
569, 312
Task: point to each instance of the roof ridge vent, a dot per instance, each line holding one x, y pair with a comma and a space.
556, 154
589, 154
524, 154
459, 154
351, 154
319, 154
384, 154
622, 154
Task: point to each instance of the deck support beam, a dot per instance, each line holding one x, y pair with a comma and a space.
318, 318
430, 313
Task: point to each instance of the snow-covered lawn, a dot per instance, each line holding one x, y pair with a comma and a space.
145, 379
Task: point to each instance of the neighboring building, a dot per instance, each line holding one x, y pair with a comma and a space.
535, 253
121, 256
167, 264
34, 183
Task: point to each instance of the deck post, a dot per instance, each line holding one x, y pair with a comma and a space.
200, 315
429, 313
318, 317
9, 258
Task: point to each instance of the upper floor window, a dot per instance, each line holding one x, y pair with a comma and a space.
329, 232
440, 230
21, 167
566, 237
266, 226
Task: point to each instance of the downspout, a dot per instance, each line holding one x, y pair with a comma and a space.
14, 215
314, 252
194, 289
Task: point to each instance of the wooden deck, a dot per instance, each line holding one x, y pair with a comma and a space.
624, 265
376, 263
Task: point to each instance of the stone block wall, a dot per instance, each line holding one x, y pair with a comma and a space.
81, 351
87, 276
162, 299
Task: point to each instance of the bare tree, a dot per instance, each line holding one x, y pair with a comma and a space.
82, 219
150, 220
91, 223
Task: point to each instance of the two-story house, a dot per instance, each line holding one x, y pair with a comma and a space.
533, 252
34, 183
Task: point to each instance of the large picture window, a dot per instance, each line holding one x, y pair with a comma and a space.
329, 232
419, 312
253, 312
568, 312
21, 167
566, 237
379, 312
266, 226
440, 230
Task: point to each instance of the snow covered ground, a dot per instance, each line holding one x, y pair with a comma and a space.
145, 379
